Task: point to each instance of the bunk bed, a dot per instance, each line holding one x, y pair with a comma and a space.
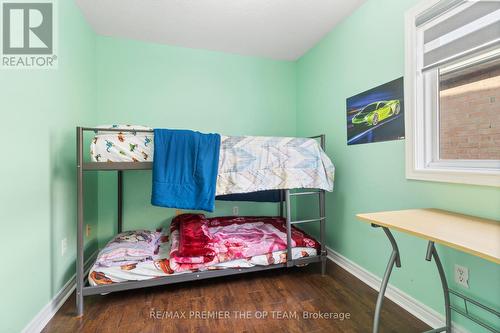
120, 161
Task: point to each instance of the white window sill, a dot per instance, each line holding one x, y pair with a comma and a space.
462, 176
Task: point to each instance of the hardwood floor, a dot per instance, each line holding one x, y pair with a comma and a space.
285, 295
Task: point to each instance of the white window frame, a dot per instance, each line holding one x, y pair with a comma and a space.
422, 120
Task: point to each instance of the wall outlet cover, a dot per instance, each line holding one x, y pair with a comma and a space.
461, 276
236, 211
88, 230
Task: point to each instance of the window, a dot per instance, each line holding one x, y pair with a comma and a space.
469, 112
452, 91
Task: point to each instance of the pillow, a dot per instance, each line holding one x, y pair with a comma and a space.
130, 247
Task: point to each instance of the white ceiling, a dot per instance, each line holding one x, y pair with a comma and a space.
279, 29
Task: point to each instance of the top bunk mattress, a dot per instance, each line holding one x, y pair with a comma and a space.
246, 163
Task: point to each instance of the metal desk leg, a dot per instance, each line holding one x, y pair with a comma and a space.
432, 253
394, 259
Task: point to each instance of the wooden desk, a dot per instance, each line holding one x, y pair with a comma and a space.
473, 235
476, 236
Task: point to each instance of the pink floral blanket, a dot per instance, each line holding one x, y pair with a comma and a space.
199, 242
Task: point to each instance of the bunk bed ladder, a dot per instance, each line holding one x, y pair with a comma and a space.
322, 219
289, 222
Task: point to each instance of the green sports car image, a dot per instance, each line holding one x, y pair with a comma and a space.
375, 112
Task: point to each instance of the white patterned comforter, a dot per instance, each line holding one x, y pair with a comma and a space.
246, 163
256, 163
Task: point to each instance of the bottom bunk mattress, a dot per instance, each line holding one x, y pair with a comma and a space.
194, 243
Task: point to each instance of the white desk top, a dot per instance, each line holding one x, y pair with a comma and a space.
473, 235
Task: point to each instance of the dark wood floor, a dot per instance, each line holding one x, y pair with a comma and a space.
292, 290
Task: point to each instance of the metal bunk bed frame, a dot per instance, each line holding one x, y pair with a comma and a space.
83, 290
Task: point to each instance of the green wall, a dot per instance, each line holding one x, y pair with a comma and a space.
105, 80
364, 51
40, 110
172, 87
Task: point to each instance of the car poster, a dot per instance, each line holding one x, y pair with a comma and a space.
376, 114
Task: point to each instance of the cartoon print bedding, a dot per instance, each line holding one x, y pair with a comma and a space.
231, 242
110, 146
246, 163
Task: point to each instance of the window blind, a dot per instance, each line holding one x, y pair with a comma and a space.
463, 28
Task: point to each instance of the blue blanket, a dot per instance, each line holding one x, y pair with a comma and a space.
185, 169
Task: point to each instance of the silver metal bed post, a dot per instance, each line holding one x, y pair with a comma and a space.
120, 201
394, 259
322, 216
322, 235
432, 253
79, 239
289, 259
281, 210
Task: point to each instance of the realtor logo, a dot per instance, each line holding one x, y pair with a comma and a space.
28, 34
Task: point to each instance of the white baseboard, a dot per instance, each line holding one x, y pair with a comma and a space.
416, 308
38, 323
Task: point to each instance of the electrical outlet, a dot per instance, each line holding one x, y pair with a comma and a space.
236, 211
64, 246
88, 230
462, 276
178, 212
